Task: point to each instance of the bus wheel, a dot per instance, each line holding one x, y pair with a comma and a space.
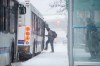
33, 49
17, 59
12, 53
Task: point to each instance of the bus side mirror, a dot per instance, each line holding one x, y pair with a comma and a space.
22, 9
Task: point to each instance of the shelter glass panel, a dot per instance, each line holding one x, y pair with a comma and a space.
86, 29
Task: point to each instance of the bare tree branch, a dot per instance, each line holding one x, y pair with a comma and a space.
60, 4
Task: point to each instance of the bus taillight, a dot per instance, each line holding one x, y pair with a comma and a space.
27, 28
27, 37
27, 33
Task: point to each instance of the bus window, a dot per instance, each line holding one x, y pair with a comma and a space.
22, 9
36, 25
4, 16
1, 18
12, 23
33, 21
39, 25
41, 28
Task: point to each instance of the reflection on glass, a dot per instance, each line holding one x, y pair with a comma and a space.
86, 23
92, 39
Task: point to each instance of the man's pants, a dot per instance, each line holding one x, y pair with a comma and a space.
51, 43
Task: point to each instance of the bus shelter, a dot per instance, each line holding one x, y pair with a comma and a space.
84, 32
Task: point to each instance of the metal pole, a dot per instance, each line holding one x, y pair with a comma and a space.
70, 33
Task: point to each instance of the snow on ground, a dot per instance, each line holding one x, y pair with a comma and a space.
46, 58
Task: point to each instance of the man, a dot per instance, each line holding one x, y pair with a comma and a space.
92, 38
50, 39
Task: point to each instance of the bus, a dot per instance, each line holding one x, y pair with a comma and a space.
9, 11
31, 31
84, 32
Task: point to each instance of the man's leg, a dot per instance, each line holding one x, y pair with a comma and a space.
46, 44
52, 46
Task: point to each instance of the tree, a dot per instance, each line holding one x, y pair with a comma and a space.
60, 5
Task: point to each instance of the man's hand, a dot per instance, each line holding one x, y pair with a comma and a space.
46, 35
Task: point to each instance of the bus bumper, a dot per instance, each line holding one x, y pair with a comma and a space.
24, 56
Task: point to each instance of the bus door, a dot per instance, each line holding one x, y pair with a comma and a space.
84, 32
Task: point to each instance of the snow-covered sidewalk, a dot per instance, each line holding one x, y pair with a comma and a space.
46, 58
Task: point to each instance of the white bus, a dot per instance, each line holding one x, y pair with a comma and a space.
9, 10
31, 30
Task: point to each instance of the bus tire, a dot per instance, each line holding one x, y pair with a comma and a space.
18, 57
12, 52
